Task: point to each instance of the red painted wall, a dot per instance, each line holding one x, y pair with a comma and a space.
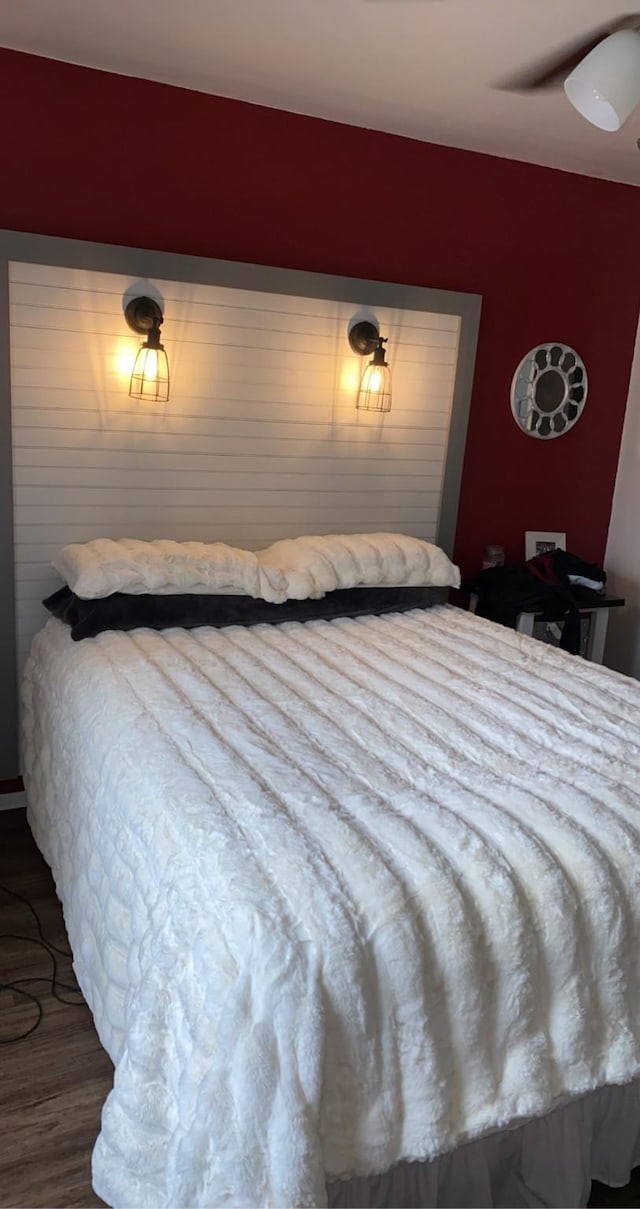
555, 255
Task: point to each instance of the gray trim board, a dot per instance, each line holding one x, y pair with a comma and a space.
458, 425
8, 685
145, 263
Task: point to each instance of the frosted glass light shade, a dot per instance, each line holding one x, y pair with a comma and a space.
605, 86
375, 388
150, 376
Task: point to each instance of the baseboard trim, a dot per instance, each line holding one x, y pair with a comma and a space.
13, 801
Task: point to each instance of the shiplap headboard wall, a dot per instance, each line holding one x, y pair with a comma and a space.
260, 438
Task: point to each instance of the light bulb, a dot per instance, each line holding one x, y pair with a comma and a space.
375, 388
150, 377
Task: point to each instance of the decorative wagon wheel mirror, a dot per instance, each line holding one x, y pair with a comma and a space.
549, 391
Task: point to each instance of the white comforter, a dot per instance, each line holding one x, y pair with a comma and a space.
340, 894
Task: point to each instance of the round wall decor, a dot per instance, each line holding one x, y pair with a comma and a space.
549, 391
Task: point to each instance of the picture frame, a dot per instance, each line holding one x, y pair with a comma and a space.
536, 542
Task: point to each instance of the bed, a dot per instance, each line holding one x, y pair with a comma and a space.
354, 904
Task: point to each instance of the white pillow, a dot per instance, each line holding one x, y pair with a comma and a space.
98, 568
313, 566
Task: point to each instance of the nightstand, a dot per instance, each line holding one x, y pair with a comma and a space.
597, 610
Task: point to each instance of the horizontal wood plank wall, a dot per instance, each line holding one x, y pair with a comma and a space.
260, 438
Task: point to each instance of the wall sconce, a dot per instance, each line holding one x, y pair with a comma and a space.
374, 392
150, 374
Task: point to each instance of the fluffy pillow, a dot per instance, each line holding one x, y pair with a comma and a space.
312, 566
99, 568
299, 568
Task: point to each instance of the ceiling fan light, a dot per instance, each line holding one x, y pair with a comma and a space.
605, 86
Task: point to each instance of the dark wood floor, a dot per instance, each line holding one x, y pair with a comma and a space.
53, 1084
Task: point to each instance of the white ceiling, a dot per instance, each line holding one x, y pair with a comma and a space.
423, 68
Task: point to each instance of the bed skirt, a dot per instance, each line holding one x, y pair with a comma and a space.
547, 1162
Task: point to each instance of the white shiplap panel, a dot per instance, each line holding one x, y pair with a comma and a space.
412, 387
107, 290
300, 438
40, 546
313, 410
71, 484
260, 438
305, 334
148, 461
84, 440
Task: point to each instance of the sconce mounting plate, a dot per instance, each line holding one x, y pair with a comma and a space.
364, 338
142, 315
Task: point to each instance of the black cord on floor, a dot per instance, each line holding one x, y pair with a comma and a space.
26, 903
52, 980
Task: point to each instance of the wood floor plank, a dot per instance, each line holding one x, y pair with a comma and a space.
54, 1082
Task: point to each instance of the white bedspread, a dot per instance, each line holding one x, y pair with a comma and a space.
339, 894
